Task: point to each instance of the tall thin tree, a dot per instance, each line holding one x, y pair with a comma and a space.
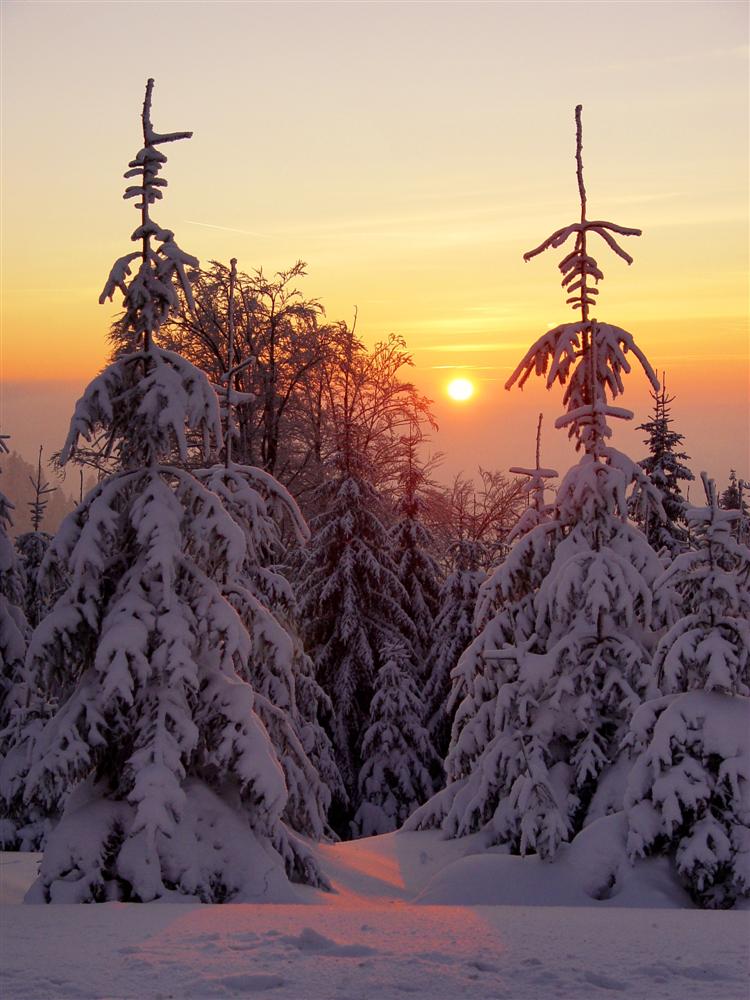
553, 686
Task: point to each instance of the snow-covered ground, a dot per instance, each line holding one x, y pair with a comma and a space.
412, 915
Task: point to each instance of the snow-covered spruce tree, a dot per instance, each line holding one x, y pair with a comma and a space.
731, 498
665, 470
705, 597
177, 786
352, 609
688, 794
31, 546
566, 658
413, 547
14, 634
25, 825
288, 700
399, 759
279, 670
352, 604
503, 612
474, 525
452, 633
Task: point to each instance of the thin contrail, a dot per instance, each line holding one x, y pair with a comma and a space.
226, 229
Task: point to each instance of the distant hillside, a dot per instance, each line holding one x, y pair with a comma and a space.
16, 484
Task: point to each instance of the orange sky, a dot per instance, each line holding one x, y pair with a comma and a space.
409, 153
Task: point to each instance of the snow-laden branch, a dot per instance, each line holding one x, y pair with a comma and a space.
599, 227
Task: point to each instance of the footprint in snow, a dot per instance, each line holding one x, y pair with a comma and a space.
483, 966
596, 979
311, 940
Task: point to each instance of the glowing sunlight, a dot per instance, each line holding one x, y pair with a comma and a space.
460, 389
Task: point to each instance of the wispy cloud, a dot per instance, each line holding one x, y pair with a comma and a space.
457, 348
486, 324
714, 358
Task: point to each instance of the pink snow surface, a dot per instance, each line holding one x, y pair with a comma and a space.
374, 940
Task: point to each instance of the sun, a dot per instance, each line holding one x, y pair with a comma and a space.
460, 389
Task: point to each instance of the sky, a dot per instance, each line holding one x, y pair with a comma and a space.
409, 153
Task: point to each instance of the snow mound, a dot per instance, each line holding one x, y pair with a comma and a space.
211, 843
592, 871
17, 872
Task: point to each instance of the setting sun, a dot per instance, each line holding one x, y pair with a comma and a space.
460, 389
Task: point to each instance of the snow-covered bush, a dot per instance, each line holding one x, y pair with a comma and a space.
143, 658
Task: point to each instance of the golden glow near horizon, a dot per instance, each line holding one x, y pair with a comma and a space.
411, 193
460, 389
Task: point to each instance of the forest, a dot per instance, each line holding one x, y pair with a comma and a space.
267, 623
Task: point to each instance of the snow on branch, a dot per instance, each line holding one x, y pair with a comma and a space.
589, 359
152, 294
588, 356
599, 227
151, 138
172, 399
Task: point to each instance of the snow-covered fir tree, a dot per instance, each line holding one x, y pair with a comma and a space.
732, 498
400, 763
31, 546
501, 612
453, 631
14, 634
705, 597
558, 670
352, 609
278, 670
665, 469
688, 794
352, 604
177, 789
25, 824
288, 699
413, 548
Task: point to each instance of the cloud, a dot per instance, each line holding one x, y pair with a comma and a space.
473, 348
